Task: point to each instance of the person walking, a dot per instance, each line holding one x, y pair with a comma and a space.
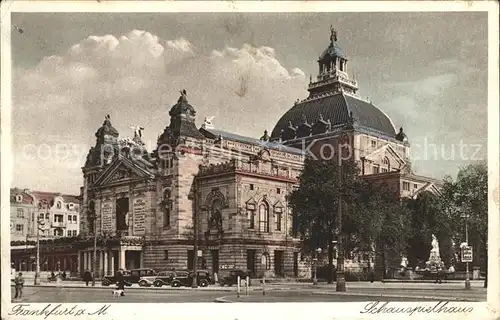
87, 277
120, 281
19, 284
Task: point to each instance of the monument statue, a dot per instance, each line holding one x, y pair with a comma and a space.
434, 257
137, 131
435, 244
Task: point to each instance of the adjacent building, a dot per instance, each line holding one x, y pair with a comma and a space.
50, 216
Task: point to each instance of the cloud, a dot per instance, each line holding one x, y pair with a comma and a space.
135, 78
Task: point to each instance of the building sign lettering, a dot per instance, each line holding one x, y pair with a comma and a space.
139, 208
107, 216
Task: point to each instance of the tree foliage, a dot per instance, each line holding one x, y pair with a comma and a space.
468, 195
372, 215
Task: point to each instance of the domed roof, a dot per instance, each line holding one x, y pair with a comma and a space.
337, 108
333, 50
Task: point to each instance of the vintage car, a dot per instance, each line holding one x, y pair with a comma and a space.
184, 278
232, 277
129, 276
164, 278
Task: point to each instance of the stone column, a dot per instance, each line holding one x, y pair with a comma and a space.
78, 261
112, 263
105, 263
121, 258
85, 259
101, 263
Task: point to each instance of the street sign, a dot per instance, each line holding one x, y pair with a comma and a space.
467, 254
227, 266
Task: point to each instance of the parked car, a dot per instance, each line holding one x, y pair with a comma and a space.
232, 277
164, 278
185, 278
129, 276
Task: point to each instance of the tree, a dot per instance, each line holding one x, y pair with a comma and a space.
381, 221
468, 195
428, 217
372, 215
315, 203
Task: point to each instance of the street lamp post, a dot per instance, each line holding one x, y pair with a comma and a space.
340, 283
315, 260
467, 277
94, 260
195, 237
37, 267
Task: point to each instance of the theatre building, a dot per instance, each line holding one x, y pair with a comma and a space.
142, 205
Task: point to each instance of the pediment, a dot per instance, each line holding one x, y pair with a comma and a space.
386, 151
251, 204
429, 187
120, 171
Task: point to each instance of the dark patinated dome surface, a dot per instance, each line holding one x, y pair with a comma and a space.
337, 108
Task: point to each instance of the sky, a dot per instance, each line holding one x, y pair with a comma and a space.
426, 71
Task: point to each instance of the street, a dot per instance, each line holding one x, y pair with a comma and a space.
292, 292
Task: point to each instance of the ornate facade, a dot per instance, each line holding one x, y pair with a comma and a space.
139, 205
142, 204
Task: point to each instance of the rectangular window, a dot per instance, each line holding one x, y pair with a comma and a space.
278, 221
19, 228
376, 169
74, 233
278, 190
70, 233
406, 186
20, 212
251, 219
165, 254
374, 144
384, 170
251, 186
415, 186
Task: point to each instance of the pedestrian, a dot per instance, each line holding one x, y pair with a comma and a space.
87, 277
52, 276
371, 275
120, 281
19, 282
64, 275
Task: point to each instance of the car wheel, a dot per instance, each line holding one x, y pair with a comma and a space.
158, 284
203, 283
176, 284
105, 283
143, 283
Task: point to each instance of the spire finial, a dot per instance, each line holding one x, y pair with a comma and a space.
333, 34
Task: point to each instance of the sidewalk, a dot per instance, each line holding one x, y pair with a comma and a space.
80, 284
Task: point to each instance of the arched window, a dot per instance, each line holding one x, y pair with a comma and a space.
264, 218
216, 215
265, 261
386, 165
167, 207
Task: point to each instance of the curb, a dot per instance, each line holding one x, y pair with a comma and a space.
222, 300
406, 296
166, 288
